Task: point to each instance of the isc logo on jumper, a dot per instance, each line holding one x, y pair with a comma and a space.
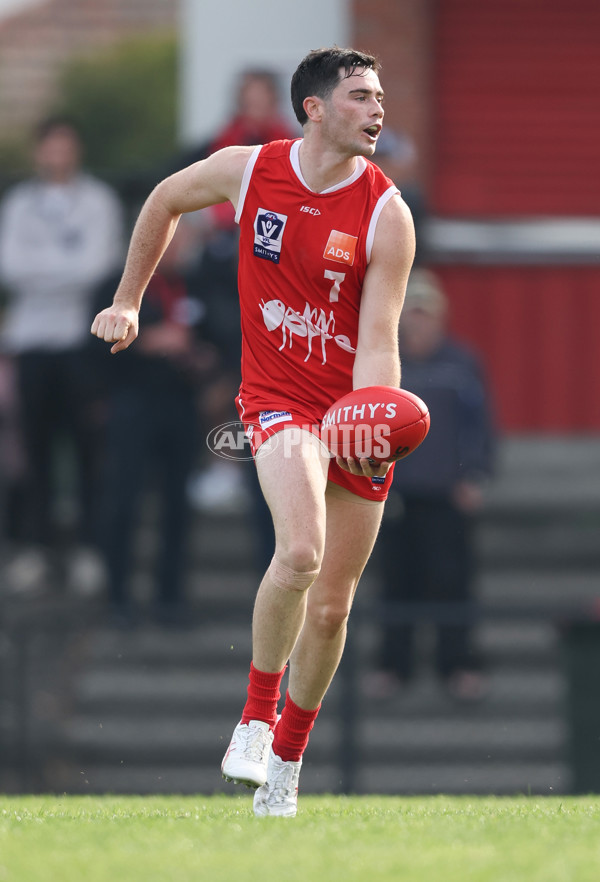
268, 233
341, 247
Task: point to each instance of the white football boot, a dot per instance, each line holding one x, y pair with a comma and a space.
248, 754
279, 796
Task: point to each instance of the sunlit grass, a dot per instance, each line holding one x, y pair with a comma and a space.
422, 839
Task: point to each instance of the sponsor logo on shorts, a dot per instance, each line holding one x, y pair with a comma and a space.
341, 247
268, 233
273, 417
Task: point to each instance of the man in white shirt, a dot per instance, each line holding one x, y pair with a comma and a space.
61, 233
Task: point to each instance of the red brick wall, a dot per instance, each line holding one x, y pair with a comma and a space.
35, 44
399, 32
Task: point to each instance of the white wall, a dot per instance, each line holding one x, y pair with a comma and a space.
221, 38
9, 7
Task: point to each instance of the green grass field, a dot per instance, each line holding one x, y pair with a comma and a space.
355, 839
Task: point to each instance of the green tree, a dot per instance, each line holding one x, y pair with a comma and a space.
125, 100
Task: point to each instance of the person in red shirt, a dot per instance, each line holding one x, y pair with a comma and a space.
326, 247
257, 118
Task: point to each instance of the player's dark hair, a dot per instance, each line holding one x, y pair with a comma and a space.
319, 73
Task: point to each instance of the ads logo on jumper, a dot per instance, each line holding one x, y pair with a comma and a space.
341, 247
268, 233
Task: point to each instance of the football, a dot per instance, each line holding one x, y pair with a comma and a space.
381, 423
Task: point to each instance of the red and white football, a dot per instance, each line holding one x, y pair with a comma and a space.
381, 423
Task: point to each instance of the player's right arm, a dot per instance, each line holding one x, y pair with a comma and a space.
208, 182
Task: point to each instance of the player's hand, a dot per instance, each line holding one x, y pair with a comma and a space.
116, 324
363, 467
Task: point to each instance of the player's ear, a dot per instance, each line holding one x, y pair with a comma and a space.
313, 107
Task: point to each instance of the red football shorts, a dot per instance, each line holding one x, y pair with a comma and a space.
262, 424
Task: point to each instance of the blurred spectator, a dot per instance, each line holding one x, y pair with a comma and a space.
396, 156
426, 541
60, 233
257, 119
12, 459
153, 407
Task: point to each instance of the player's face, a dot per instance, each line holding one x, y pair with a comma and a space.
354, 113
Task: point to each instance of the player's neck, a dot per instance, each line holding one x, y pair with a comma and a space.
322, 168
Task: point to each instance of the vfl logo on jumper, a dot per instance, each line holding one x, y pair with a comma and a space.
341, 247
268, 233
273, 417
312, 323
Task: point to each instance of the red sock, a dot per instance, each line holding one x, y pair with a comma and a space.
263, 695
293, 729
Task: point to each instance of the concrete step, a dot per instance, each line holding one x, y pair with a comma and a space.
228, 593
564, 542
468, 755
529, 642
199, 779
545, 473
166, 739
137, 688
222, 541
477, 778
498, 640
562, 534
160, 647
461, 740
431, 733
512, 692
225, 645
137, 708
542, 589
229, 597
134, 683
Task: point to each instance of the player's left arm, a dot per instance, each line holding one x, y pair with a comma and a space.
377, 360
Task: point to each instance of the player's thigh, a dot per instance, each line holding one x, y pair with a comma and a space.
292, 471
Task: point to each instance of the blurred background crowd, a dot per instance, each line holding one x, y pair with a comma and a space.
492, 129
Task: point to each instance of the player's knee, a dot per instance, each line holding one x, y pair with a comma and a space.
291, 578
329, 619
302, 553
